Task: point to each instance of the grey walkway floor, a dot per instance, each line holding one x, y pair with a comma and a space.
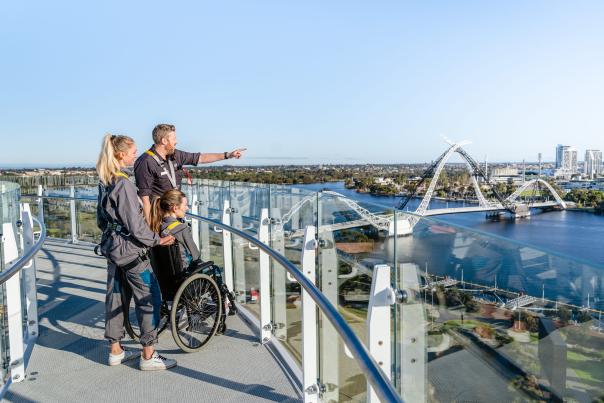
68, 362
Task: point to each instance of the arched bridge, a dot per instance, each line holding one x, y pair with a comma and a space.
511, 204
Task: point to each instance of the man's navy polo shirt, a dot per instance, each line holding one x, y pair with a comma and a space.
148, 173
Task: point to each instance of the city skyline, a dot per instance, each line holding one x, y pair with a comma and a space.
306, 84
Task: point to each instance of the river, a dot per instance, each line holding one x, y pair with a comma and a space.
573, 233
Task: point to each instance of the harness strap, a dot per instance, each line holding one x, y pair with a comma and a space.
173, 225
171, 175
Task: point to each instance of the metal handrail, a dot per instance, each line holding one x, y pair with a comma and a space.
375, 376
371, 370
29, 255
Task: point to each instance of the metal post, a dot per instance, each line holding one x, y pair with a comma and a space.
227, 246
29, 275
294, 198
74, 218
279, 277
13, 306
265, 280
331, 346
378, 323
311, 387
195, 223
40, 204
413, 343
238, 256
205, 227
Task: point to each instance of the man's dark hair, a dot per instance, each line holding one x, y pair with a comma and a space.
161, 131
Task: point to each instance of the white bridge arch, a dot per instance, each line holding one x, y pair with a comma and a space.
512, 198
406, 223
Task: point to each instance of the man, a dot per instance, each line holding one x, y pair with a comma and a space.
161, 167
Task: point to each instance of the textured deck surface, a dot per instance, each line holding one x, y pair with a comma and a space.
69, 361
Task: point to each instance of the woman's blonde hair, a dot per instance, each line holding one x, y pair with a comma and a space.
108, 166
163, 205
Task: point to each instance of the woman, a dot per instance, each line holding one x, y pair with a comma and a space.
126, 237
168, 218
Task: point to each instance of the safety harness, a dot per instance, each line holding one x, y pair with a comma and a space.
109, 225
170, 174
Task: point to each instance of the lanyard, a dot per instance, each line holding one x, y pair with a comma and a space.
171, 175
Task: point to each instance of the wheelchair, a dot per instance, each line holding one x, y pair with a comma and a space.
195, 300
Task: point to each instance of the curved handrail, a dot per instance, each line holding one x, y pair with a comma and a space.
29, 255
367, 364
374, 374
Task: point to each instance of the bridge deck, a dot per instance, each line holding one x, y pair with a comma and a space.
68, 362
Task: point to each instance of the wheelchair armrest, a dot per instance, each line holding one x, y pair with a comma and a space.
199, 266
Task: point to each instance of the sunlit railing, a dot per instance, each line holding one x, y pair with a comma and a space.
447, 312
18, 313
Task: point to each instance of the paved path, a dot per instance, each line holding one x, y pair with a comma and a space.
68, 362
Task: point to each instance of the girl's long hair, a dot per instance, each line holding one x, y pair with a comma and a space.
162, 206
108, 165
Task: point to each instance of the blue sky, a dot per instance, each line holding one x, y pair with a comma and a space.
302, 82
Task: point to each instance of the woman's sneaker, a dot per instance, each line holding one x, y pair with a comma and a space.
117, 359
156, 362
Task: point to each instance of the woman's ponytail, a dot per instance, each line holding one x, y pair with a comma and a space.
156, 215
108, 165
162, 206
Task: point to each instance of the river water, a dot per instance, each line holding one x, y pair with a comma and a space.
573, 233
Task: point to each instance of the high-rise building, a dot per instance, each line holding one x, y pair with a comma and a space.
566, 158
559, 152
592, 165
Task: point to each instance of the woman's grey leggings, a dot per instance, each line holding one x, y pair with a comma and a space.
147, 299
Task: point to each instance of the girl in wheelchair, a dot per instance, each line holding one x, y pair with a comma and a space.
168, 216
183, 259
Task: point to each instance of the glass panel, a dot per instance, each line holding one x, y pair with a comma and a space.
87, 228
246, 201
523, 321
57, 218
289, 212
353, 239
9, 214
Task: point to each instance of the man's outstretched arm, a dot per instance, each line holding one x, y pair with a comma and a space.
206, 158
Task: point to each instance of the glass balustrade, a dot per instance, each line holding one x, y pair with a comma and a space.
9, 215
471, 316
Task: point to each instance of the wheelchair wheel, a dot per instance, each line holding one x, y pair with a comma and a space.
196, 312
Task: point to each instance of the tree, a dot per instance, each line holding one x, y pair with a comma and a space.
564, 314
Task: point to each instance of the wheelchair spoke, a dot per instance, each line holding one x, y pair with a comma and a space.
197, 312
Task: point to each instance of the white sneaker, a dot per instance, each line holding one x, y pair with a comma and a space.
156, 362
117, 359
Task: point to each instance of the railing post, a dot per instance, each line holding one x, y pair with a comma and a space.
295, 198
378, 323
311, 386
40, 204
227, 246
413, 342
204, 202
13, 306
73, 216
265, 280
279, 276
29, 275
195, 223
238, 257
330, 340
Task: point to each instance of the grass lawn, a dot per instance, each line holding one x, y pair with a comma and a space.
586, 367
